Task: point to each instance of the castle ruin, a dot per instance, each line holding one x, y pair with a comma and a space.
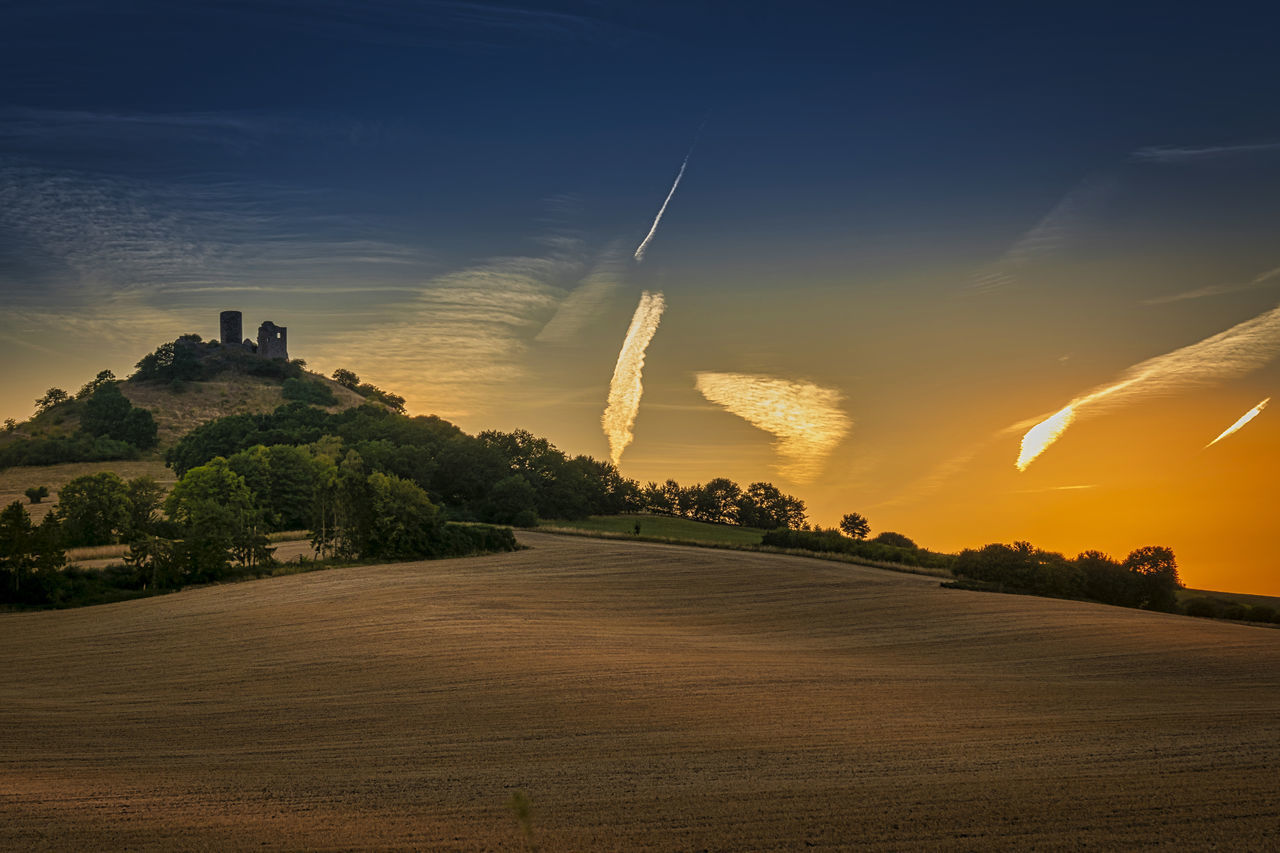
272, 339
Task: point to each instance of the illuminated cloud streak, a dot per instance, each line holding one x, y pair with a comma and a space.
1238, 350
626, 388
805, 418
644, 244
1244, 419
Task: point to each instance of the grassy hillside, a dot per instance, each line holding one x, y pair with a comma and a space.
660, 527
177, 412
642, 696
15, 481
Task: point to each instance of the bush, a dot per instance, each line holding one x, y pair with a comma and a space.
896, 540
305, 391
831, 542
35, 494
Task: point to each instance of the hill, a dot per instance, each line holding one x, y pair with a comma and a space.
642, 696
215, 383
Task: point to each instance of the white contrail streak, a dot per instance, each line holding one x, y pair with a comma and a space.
1244, 419
1240, 349
805, 418
644, 244
626, 388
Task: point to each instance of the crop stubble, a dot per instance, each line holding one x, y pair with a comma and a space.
644, 696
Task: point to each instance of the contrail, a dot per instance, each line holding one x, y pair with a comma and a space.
626, 388
644, 244
1240, 349
1244, 419
805, 418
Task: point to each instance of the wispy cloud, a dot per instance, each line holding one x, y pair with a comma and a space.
1244, 419
1268, 277
1236, 351
464, 342
1172, 154
113, 233
1058, 227
584, 304
805, 418
626, 387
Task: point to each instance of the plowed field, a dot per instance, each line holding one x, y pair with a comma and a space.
643, 697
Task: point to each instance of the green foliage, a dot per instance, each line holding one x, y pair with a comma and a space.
215, 512
307, 391
35, 494
513, 500
109, 414
855, 526
30, 556
55, 451
94, 510
51, 398
346, 378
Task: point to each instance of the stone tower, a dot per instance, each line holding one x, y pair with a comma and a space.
272, 341
230, 328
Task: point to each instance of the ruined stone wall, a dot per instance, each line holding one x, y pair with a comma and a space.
273, 341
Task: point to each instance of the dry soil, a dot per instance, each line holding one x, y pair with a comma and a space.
642, 696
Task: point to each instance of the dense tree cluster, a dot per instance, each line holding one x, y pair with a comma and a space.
893, 548
722, 501
1147, 578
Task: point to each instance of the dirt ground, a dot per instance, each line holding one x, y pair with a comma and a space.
642, 696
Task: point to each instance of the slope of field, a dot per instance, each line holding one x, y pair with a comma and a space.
644, 696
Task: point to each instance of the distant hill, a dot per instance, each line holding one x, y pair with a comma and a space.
188, 382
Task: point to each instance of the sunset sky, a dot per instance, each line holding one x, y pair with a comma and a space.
902, 237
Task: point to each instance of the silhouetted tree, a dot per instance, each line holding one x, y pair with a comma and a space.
1158, 569
51, 398
346, 378
35, 494
855, 526
104, 377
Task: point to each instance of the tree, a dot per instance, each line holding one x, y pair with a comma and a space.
145, 497
94, 509
1158, 569
30, 556
51, 398
105, 411
346, 378
213, 507
35, 494
109, 413
10, 425
1107, 581
402, 521
513, 501
104, 377
855, 526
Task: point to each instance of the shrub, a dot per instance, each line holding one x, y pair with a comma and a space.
35, 494
305, 391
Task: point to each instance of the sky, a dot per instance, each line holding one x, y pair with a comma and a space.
857, 250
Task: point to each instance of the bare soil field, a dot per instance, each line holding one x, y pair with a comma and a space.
643, 696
